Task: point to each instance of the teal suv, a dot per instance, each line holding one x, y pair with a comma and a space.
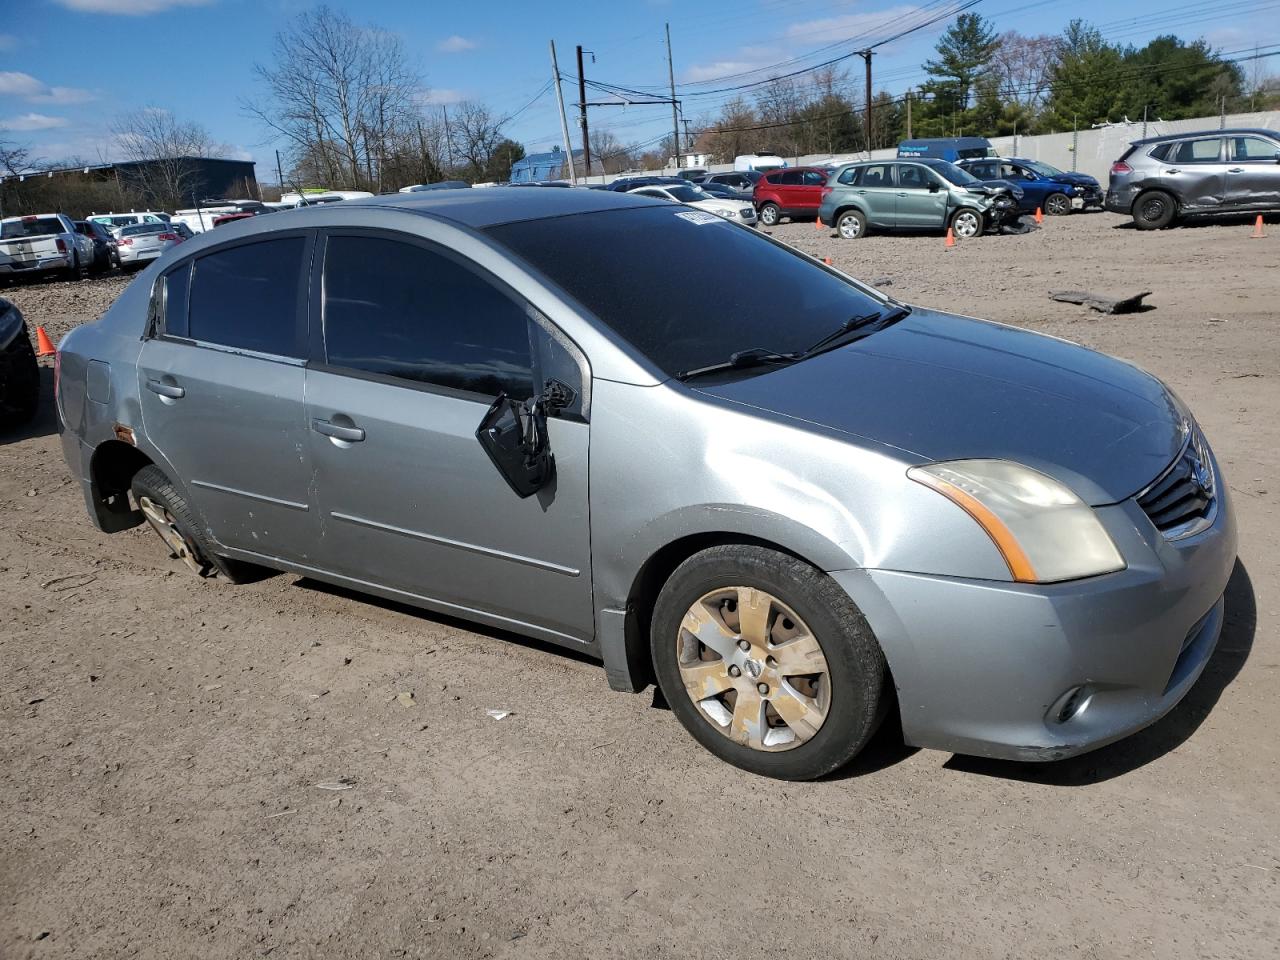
917, 194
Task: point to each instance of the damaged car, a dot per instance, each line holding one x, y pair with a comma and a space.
799, 506
19, 373
918, 195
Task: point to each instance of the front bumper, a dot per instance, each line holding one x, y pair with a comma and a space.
990, 669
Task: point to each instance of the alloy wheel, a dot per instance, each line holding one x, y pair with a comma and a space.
162, 523
965, 225
1057, 205
769, 215
850, 228
754, 670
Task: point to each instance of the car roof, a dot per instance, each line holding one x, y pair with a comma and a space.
492, 206
1228, 132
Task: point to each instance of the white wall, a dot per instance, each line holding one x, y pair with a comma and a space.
1095, 150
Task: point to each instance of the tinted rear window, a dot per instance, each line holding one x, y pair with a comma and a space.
39, 227
620, 264
247, 296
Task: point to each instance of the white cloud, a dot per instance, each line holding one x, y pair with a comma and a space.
455, 44
129, 8
32, 121
721, 68
34, 91
16, 84
8, 41
439, 95
862, 26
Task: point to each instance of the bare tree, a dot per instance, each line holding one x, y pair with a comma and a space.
613, 156
475, 134
163, 149
1024, 66
14, 157
341, 94
729, 135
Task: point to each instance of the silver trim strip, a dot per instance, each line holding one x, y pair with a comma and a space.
470, 547
291, 504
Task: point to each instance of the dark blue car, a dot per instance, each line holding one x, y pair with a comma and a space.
1043, 186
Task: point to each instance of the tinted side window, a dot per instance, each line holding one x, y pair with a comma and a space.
878, 175
247, 297
1253, 148
849, 177
1156, 153
1196, 151
814, 178
174, 311
400, 310
789, 179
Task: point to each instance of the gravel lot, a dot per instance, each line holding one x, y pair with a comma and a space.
161, 739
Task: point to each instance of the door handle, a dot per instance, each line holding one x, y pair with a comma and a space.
1236, 170
337, 431
902, 194
1173, 170
170, 390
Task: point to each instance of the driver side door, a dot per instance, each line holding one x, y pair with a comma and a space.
413, 344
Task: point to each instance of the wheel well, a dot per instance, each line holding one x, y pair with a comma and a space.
648, 583
846, 208
111, 470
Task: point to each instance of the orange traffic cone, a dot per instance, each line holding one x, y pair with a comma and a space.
1258, 232
1039, 215
44, 346
817, 223
951, 238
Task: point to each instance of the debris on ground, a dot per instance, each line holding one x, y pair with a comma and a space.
342, 783
498, 714
1103, 304
405, 698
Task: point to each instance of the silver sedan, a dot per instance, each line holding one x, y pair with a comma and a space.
801, 507
140, 243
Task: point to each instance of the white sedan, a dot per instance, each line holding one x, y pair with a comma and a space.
694, 196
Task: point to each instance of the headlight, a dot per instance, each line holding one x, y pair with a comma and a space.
1077, 189
1044, 531
726, 213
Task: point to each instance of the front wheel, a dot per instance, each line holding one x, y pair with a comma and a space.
770, 215
1057, 205
851, 225
767, 662
1154, 210
966, 223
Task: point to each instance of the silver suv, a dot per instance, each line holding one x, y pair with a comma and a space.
1160, 179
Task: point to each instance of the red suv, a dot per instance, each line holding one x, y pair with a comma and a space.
791, 192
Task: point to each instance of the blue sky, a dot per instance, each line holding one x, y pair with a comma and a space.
68, 66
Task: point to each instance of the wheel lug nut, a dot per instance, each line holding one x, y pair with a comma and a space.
762, 687
744, 645
734, 671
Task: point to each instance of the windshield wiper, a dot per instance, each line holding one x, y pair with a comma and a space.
862, 325
751, 357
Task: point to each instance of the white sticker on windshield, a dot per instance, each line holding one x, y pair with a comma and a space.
698, 217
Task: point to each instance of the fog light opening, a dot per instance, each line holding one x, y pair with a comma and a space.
1069, 705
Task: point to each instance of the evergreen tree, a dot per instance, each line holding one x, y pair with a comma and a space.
965, 51
1085, 86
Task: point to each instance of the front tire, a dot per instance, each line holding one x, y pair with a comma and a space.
851, 225
1057, 205
169, 516
1154, 210
770, 215
966, 223
767, 662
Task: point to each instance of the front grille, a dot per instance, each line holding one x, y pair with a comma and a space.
1181, 501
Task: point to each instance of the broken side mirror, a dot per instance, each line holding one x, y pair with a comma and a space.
514, 435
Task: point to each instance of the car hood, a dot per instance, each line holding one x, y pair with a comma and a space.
941, 387
1077, 179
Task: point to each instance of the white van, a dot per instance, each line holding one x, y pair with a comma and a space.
760, 162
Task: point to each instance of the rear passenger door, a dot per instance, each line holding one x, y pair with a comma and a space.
878, 191
221, 381
1195, 172
414, 345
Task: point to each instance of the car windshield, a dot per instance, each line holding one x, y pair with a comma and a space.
688, 194
961, 178
33, 227
1044, 169
619, 264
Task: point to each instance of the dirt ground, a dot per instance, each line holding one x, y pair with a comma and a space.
162, 739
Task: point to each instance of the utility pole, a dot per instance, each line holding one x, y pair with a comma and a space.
688, 141
866, 55
1144, 122
422, 147
908, 114
582, 109
279, 173
448, 138
564, 122
675, 120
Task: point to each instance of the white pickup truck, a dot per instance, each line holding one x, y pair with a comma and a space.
43, 243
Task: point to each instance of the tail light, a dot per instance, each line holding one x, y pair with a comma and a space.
826, 192
62, 245
167, 236
1120, 167
125, 242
